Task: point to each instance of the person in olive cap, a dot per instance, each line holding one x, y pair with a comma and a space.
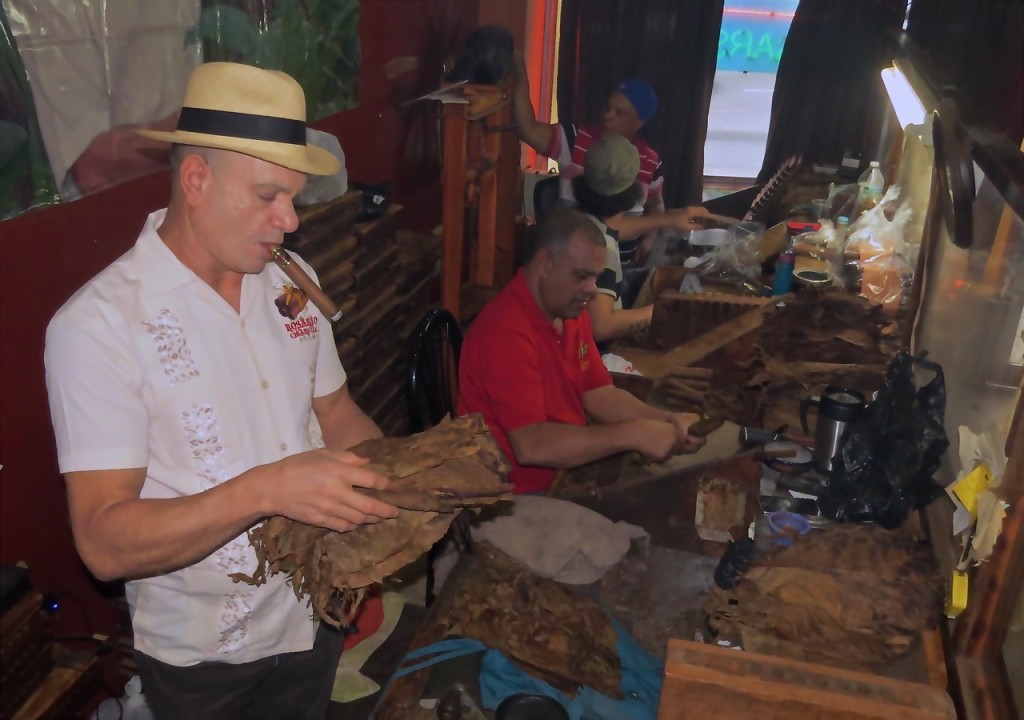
628, 108
608, 188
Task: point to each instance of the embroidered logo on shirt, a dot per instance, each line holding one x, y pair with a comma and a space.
175, 356
291, 303
584, 351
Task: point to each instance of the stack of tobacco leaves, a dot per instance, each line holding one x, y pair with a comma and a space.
781, 385
846, 596
553, 635
700, 390
831, 326
685, 389
433, 474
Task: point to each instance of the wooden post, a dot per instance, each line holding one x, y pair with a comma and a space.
484, 158
453, 178
510, 200
487, 219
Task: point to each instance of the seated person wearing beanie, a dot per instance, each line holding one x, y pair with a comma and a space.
625, 113
530, 367
606, 189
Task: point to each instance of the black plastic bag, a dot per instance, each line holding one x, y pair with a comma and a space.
735, 560
885, 465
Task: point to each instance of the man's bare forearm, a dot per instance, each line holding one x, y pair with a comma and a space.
141, 537
557, 445
342, 422
349, 435
610, 323
535, 134
610, 404
631, 227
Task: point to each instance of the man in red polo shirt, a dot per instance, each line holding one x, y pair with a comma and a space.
530, 367
626, 111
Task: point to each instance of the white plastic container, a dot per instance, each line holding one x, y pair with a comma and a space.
132, 705
710, 238
871, 186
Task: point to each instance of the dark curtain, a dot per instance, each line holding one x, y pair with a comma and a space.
977, 48
828, 91
673, 45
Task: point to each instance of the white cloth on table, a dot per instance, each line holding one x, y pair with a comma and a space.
558, 539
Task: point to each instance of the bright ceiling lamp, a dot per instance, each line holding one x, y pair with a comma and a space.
905, 101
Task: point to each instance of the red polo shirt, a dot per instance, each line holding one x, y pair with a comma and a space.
516, 370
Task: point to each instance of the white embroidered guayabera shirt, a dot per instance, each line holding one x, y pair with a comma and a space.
146, 366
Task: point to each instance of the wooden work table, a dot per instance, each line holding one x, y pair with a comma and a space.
657, 590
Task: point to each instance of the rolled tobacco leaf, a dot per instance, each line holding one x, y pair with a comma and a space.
434, 475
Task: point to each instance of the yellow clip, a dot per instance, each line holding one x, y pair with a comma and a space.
957, 599
972, 485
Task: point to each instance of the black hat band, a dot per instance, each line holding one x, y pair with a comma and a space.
242, 125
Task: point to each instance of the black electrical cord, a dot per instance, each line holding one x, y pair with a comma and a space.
104, 644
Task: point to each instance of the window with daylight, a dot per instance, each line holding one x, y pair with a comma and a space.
749, 47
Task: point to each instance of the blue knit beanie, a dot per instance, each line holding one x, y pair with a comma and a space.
641, 96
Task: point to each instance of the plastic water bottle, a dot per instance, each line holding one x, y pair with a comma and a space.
132, 705
871, 185
842, 228
783, 281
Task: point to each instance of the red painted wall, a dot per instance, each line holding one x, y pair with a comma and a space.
49, 253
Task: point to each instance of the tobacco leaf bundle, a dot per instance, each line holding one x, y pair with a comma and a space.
830, 326
434, 475
552, 634
849, 596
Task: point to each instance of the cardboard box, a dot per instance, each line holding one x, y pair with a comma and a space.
707, 681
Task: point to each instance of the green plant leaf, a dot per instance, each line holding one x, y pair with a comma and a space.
225, 30
321, 50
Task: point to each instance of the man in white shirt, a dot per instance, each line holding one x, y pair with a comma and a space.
186, 382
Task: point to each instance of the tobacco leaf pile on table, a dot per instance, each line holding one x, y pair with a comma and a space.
847, 596
552, 634
819, 338
832, 326
434, 475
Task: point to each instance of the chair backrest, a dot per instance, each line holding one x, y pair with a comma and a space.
432, 390
545, 196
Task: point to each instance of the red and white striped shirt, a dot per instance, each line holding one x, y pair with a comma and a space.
570, 161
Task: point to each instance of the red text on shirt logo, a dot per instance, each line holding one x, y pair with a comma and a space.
291, 302
303, 327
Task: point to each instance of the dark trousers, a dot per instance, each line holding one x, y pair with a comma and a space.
291, 686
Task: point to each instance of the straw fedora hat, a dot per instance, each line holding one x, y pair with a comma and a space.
249, 110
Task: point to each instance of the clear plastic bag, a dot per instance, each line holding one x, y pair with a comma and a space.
819, 256
842, 200
738, 260
875, 255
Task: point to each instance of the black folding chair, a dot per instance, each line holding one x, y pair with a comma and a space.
432, 394
432, 390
